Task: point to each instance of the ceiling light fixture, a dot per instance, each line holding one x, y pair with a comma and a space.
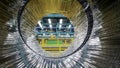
69, 26
50, 22
39, 23
61, 20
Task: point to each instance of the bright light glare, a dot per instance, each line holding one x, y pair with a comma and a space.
69, 26
49, 21
39, 23
61, 20
50, 26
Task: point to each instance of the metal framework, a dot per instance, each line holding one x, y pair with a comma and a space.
88, 11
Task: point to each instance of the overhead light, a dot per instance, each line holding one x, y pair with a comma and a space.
69, 26
50, 26
61, 20
39, 23
49, 21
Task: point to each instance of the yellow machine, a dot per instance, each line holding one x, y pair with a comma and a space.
55, 44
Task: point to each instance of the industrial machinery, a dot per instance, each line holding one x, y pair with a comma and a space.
27, 27
54, 32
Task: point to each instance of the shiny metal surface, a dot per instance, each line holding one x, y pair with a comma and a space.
101, 51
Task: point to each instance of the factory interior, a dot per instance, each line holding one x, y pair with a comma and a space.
59, 33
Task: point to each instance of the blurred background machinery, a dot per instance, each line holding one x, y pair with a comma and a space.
54, 32
27, 26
